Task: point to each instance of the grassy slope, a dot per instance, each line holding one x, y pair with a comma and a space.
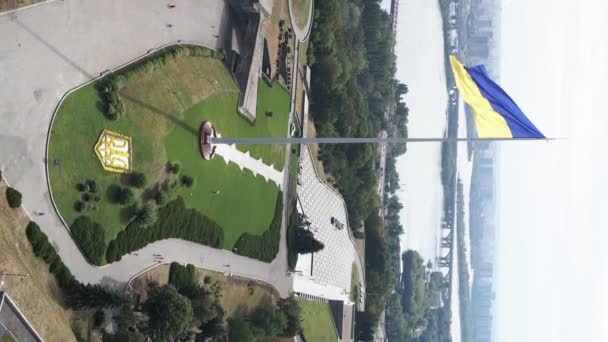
166, 108
317, 322
37, 295
354, 285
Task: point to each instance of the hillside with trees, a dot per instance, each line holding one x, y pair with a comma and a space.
355, 94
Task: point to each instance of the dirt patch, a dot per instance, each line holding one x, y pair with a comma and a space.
9, 5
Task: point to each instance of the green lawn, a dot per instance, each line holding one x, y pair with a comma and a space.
317, 322
164, 111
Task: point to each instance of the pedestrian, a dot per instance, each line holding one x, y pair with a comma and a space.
169, 25
216, 192
171, 6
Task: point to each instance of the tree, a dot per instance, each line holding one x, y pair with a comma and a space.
127, 329
169, 313
13, 197
239, 330
78, 296
268, 321
305, 241
205, 306
291, 309
146, 216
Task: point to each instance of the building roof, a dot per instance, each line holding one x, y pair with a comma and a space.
344, 319
13, 323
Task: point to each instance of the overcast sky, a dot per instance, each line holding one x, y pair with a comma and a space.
553, 272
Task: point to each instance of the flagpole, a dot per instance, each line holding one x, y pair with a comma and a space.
375, 140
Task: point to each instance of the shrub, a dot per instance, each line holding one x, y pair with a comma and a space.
174, 221
93, 187
266, 246
187, 181
80, 206
87, 197
161, 198
13, 197
125, 196
43, 249
80, 187
138, 180
176, 168
145, 217
90, 236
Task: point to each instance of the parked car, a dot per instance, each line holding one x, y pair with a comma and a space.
335, 222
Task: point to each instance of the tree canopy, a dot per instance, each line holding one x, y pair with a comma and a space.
169, 313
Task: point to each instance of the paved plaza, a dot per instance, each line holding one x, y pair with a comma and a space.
331, 267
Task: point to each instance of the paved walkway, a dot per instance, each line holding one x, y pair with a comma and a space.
244, 160
301, 33
47, 50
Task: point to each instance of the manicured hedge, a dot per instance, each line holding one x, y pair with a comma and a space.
90, 236
174, 221
76, 295
13, 198
109, 87
182, 277
266, 246
43, 249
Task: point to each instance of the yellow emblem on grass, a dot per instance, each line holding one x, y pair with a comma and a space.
115, 151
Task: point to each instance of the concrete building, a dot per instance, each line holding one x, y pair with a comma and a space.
247, 53
13, 324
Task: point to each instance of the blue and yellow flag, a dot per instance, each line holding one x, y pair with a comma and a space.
496, 114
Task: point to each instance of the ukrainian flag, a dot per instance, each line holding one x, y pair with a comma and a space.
496, 114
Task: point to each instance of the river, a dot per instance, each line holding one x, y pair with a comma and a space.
419, 51
420, 65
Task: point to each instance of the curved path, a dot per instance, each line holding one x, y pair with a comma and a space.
49, 49
301, 33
